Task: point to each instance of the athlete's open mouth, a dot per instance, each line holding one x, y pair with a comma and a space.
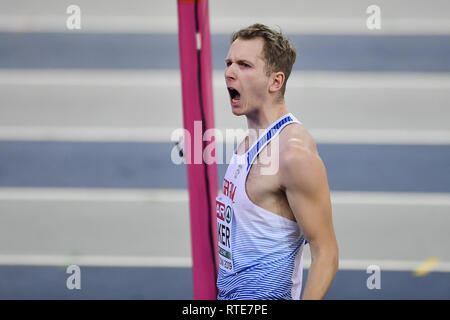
234, 94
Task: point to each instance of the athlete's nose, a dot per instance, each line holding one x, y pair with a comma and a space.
230, 74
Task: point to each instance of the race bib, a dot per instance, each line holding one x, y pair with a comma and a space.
225, 215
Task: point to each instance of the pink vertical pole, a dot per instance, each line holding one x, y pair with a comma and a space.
196, 79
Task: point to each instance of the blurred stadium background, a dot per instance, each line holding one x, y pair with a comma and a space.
86, 117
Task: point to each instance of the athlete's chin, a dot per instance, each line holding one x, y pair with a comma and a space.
237, 110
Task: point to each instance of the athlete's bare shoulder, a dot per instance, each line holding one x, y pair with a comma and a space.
296, 138
300, 164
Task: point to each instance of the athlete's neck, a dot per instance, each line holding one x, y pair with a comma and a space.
262, 118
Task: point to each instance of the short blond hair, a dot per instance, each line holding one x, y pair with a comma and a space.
279, 53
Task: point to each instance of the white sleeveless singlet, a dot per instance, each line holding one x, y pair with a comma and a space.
260, 253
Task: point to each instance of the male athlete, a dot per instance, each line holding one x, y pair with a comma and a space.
264, 220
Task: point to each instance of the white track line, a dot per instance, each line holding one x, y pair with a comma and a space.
388, 136
391, 198
181, 196
387, 265
79, 194
171, 262
164, 135
169, 24
91, 260
86, 134
90, 78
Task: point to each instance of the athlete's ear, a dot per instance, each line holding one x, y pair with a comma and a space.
276, 81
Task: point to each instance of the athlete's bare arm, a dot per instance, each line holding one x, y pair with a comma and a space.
304, 180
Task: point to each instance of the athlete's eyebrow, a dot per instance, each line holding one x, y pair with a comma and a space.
239, 61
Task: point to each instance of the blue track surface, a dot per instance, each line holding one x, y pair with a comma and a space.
24, 282
148, 165
412, 53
